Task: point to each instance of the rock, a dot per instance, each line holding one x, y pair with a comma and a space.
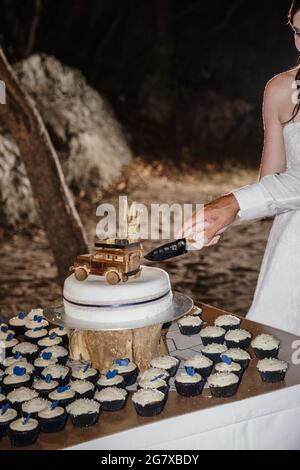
84, 130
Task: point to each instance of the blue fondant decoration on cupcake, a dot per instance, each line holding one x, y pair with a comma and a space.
10, 336
54, 404
38, 328
4, 408
17, 355
122, 362
46, 356
190, 371
86, 368
21, 315
26, 419
38, 318
19, 371
111, 374
157, 377
61, 328
53, 335
48, 378
4, 328
63, 389
226, 359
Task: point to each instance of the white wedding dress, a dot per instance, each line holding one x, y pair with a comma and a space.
277, 296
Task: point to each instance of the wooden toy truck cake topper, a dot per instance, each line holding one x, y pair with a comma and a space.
117, 259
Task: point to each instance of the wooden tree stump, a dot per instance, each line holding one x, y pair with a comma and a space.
101, 348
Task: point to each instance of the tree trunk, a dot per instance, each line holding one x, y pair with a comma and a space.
57, 211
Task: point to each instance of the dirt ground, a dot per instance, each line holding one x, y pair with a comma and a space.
224, 275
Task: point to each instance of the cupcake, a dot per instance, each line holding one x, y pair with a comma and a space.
60, 353
3, 399
7, 415
189, 383
45, 386
213, 351
148, 402
128, 370
202, 364
196, 311
85, 373
17, 379
222, 384
190, 325
155, 383
111, 398
36, 321
83, 389
34, 406
168, 363
61, 332
227, 365
228, 322
44, 360
5, 331
110, 379
240, 356
17, 324
19, 396
20, 363
34, 335
23, 432
8, 343
59, 373
238, 339
28, 350
84, 412
272, 370
51, 340
13, 360
265, 346
64, 395
212, 334
52, 419
154, 373
35, 312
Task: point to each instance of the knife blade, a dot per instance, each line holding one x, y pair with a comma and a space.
168, 251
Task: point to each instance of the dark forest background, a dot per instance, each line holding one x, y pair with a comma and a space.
166, 65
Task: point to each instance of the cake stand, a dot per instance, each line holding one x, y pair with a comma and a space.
140, 340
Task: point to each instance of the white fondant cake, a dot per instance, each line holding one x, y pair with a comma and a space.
94, 300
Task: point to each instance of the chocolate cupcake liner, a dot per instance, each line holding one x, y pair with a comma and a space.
244, 344
273, 376
189, 389
33, 340
204, 371
44, 393
55, 424
86, 420
224, 392
4, 427
230, 327
88, 394
93, 379
243, 362
152, 409
64, 402
114, 405
22, 439
262, 354
215, 357
18, 330
189, 330
172, 371
206, 340
31, 357
10, 387
62, 360
130, 377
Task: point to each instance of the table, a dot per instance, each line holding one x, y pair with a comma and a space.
259, 416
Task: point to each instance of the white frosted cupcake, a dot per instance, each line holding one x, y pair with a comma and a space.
36, 322
202, 364
238, 339
212, 334
265, 346
240, 356
148, 402
190, 325
18, 378
168, 363
196, 311
127, 369
17, 323
189, 383
84, 412
45, 386
23, 432
7, 344
227, 365
7, 415
62, 333
52, 419
83, 388
19, 396
21, 363
110, 379
49, 341
272, 370
155, 383
59, 352
35, 334
59, 373
34, 406
111, 398
43, 361
154, 373
213, 351
228, 322
85, 372
28, 350
64, 395
223, 385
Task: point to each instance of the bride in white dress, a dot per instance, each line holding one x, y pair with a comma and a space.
277, 297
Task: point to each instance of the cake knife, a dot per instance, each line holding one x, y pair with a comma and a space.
169, 250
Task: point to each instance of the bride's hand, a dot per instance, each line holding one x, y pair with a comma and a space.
207, 225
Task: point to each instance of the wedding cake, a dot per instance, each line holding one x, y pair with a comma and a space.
94, 302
